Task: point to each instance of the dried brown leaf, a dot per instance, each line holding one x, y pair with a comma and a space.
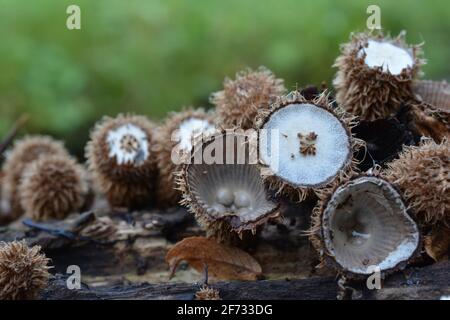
437, 244
223, 262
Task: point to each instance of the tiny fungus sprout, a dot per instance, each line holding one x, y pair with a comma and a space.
304, 145
23, 271
120, 160
173, 141
240, 100
375, 75
363, 226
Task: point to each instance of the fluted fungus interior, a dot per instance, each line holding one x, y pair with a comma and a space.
304, 144
191, 128
232, 190
128, 144
388, 56
365, 224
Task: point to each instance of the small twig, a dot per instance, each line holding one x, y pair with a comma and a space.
13, 133
205, 266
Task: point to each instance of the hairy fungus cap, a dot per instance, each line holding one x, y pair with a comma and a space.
23, 271
226, 195
304, 145
422, 174
174, 141
120, 159
375, 75
24, 152
52, 187
364, 227
239, 102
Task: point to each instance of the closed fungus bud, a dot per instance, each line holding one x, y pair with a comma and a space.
121, 162
23, 271
173, 142
304, 145
363, 227
430, 114
375, 75
24, 152
240, 100
225, 190
52, 187
422, 174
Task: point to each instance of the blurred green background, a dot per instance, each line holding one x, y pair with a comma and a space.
152, 56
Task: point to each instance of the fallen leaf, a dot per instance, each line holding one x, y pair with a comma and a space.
437, 244
223, 262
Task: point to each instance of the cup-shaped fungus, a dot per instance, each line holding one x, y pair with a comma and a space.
120, 160
363, 226
52, 187
238, 103
375, 75
422, 174
24, 152
174, 141
430, 114
305, 145
436, 93
222, 186
23, 271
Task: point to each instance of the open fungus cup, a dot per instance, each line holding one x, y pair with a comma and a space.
120, 159
222, 185
305, 145
375, 74
364, 227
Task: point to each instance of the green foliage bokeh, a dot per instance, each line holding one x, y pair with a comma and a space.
153, 56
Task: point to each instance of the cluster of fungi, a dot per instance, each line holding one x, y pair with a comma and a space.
307, 147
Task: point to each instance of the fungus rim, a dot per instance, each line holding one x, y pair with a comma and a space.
330, 258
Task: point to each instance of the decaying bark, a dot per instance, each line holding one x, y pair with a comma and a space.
430, 282
123, 266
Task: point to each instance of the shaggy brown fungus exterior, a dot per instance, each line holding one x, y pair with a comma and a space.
363, 226
173, 141
305, 145
23, 271
121, 162
375, 75
24, 152
430, 112
52, 187
226, 194
240, 100
422, 174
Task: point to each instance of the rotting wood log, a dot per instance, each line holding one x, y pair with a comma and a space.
431, 282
